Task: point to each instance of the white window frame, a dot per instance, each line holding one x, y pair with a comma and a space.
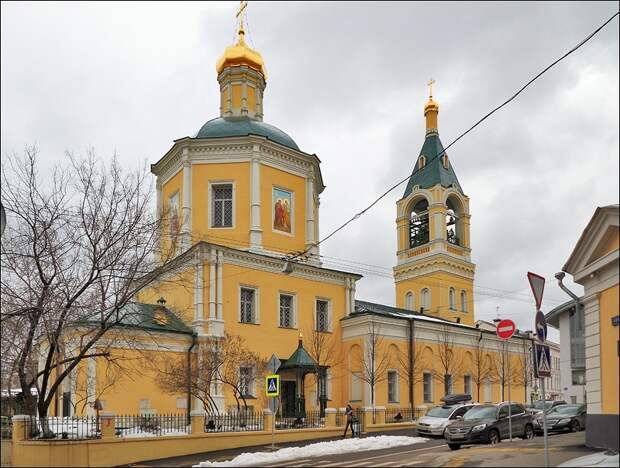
356, 386
396, 386
463, 300
422, 162
452, 298
256, 303
329, 313
409, 300
425, 298
293, 308
430, 380
210, 203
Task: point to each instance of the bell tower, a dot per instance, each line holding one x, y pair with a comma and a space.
434, 272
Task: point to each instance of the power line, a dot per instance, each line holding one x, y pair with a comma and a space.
359, 214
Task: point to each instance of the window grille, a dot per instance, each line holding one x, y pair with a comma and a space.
392, 387
426, 299
467, 384
452, 295
463, 301
322, 319
246, 381
222, 205
286, 311
409, 305
428, 390
247, 305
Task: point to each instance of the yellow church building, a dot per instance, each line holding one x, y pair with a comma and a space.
241, 203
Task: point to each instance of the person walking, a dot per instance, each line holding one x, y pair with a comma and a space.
349, 414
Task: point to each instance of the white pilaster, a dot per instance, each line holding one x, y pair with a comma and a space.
310, 232
347, 296
352, 295
244, 97
186, 228
212, 283
256, 236
198, 298
220, 270
160, 211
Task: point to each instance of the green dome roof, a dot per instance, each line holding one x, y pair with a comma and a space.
222, 127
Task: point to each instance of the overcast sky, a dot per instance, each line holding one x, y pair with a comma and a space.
348, 82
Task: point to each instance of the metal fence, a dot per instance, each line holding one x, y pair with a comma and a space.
397, 415
340, 419
62, 428
149, 425
234, 422
312, 419
6, 429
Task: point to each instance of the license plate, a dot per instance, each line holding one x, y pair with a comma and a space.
457, 436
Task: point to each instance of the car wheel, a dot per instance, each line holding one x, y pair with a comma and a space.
529, 433
454, 446
493, 437
575, 426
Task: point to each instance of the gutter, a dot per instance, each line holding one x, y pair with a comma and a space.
411, 361
189, 378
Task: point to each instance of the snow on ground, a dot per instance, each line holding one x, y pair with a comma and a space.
599, 459
319, 449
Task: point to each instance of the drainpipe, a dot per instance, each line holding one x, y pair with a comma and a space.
189, 379
411, 361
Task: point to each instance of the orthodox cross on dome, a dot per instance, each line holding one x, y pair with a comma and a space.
430, 87
240, 14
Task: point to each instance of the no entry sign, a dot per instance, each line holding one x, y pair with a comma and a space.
505, 329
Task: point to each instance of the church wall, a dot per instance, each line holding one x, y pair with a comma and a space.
172, 186
275, 239
204, 174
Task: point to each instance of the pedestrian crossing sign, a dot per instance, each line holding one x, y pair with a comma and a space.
272, 385
543, 361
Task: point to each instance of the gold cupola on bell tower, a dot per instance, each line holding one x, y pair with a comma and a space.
242, 77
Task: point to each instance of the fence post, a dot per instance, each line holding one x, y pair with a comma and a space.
330, 417
20, 425
108, 425
367, 417
343, 418
198, 421
380, 411
267, 419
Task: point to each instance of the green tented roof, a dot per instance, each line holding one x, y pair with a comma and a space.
434, 172
243, 126
142, 316
299, 359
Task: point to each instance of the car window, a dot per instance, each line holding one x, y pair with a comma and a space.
440, 411
569, 410
503, 412
481, 412
516, 409
459, 412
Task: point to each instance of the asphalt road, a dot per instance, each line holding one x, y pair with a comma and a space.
433, 453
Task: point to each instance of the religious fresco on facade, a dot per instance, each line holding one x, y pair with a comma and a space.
282, 210
173, 214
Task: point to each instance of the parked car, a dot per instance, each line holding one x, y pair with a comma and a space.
537, 407
489, 424
436, 420
562, 418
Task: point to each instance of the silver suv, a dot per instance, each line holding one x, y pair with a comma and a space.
438, 418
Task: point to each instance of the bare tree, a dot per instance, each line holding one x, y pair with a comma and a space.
450, 364
324, 350
411, 370
524, 375
80, 242
501, 370
480, 366
374, 361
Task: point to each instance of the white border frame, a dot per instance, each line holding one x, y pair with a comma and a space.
210, 200
293, 208
256, 290
397, 400
293, 307
432, 400
330, 328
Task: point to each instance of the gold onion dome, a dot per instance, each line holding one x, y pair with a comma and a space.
431, 105
240, 54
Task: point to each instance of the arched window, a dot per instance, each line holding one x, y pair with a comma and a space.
463, 301
418, 224
452, 297
425, 299
422, 162
409, 305
444, 160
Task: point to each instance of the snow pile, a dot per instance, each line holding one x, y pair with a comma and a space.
335, 447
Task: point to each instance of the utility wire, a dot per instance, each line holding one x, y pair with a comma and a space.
358, 215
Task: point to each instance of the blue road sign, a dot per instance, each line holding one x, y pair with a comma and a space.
543, 361
541, 326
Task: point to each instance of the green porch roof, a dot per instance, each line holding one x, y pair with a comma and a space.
300, 359
434, 172
243, 126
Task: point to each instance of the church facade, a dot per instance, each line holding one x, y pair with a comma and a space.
241, 203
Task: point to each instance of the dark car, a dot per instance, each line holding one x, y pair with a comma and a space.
489, 424
562, 418
538, 405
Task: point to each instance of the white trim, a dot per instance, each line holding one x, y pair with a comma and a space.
210, 203
256, 239
426, 302
329, 311
293, 308
410, 305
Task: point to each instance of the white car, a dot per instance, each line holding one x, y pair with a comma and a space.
438, 418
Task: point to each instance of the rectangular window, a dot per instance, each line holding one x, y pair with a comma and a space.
447, 384
286, 311
322, 316
247, 306
467, 384
428, 388
356, 386
222, 205
488, 398
577, 339
392, 377
246, 381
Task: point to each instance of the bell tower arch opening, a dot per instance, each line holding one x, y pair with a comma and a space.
419, 232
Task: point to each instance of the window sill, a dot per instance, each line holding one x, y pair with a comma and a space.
249, 397
249, 323
324, 331
288, 328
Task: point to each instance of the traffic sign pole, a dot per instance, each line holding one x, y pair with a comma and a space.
542, 385
509, 401
505, 329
